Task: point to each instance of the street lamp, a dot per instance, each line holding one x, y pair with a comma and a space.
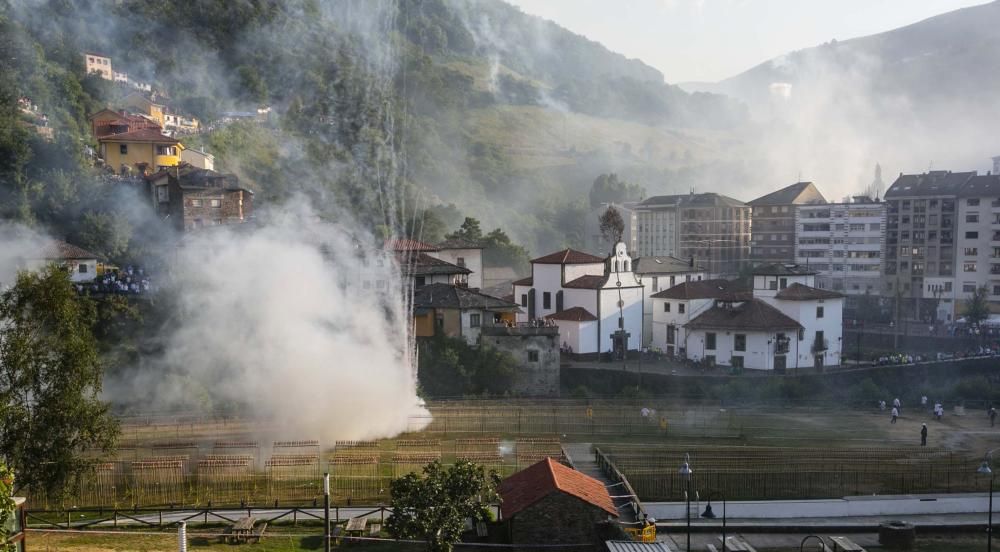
686, 472
709, 514
984, 469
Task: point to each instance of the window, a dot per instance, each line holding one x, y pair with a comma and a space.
680, 308
421, 280
162, 194
217, 203
968, 287
524, 300
996, 289
196, 203
972, 217
379, 284
968, 267
972, 235
671, 334
971, 251
710, 341
532, 356
773, 284
460, 262
474, 320
875, 226
546, 300
947, 286
666, 307
736, 361
784, 283
819, 312
972, 202
123, 149
740, 342
83, 268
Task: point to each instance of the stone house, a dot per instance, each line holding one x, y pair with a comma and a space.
549, 503
193, 197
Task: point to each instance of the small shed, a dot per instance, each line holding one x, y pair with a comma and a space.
549, 503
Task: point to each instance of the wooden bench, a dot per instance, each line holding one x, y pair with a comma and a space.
844, 544
241, 531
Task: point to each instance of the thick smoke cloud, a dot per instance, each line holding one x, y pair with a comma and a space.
19, 247
277, 317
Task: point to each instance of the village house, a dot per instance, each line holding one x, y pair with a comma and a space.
191, 197
456, 311
783, 323
198, 158
140, 151
78, 262
107, 122
466, 254
596, 303
660, 273
549, 503
421, 264
142, 104
96, 63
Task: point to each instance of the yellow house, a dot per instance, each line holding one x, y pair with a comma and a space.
140, 151
96, 63
143, 104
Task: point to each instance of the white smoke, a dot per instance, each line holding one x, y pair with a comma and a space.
21, 248
278, 318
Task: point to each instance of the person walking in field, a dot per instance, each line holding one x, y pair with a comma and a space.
923, 401
923, 435
993, 417
895, 414
896, 405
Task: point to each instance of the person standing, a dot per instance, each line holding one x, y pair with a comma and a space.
895, 414
993, 416
896, 405
923, 435
923, 401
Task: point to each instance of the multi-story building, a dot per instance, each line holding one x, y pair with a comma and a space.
843, 243
773, 231
142, 151
96, 63
595, 243
192, 198
920, 255
661, 273
978, 248
711, 228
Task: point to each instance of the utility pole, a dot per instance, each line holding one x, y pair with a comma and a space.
326, 512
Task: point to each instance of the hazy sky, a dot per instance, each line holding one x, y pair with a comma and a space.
709, 40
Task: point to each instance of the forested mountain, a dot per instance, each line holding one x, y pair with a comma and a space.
397, 108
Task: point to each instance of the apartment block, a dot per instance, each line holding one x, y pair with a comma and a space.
843, 243
773, 231
710, 228
922, 222
978, 248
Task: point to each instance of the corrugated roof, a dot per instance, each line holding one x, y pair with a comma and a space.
705, 289
445, 296
799, 292
568, 256
535, 482
800, 193
574, 314
751, 315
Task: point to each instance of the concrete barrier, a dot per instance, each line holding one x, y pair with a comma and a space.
888, 505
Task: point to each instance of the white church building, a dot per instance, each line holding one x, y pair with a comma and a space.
782, 323
597, 303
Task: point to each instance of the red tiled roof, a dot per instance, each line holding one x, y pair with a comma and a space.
800, 292
705, 289
529, 281
63, 250
575, 314
568, 256
535, 482
141, 135
406, 244
753, 315
590, 281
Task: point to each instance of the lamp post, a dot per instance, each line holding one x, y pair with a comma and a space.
709, 514
686, 472
326, 512
984, 469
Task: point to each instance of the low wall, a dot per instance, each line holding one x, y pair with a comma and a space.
892, 505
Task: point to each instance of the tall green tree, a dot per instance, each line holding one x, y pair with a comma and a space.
470, 230
612, 225
609, 188
977, 307
434, 507
50, 380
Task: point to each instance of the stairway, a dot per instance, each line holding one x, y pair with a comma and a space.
581, 457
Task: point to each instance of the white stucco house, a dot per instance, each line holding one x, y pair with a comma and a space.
658, 273
597, 303
80, 263
465, 254
782, 323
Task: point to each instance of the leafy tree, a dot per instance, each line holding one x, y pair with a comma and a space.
501, 251
608, 188
977, 307
107, 234
469, 230
450, 367
50, 378
434, 507
612, 225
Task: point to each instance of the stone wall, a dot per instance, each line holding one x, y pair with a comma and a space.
533, 377
558, 519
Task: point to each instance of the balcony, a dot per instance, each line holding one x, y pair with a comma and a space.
819, 346
166, 160
519, 329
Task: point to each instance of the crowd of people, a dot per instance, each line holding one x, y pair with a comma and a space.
127, 281
937, 410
